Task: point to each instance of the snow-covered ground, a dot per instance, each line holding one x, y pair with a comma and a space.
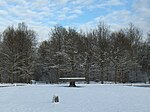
86, 98
10, 85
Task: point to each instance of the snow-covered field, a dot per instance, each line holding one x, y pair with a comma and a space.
86, 98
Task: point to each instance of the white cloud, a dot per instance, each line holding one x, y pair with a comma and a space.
121, 17
142, 7
42, 14
62, 2
66, 9
42, 32
19, 2
73, 16
142, 14
76, 11
116, 20
62, 17
3, 3
3, 13
106, 3
53, 23
83, 2
38, 4
87, 27
114, 2
68, 13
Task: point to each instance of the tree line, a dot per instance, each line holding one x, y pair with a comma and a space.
99, 55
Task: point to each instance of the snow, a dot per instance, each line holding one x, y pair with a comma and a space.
84, 98
10, 85
73, 78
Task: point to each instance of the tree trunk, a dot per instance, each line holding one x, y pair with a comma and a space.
12, 78
0, 78
87, 78
87, 67
57, 76
86, 73
115, 77
102, 75
102, 78
27, 80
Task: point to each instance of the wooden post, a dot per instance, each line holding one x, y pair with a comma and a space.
72, 84
55, 99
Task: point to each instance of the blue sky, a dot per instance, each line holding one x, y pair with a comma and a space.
42, 15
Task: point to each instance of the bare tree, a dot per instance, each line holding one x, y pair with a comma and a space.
119, 54
101, 49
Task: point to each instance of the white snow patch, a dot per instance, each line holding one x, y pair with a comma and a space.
73, 78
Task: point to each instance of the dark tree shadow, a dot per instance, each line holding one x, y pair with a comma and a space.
73, 87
